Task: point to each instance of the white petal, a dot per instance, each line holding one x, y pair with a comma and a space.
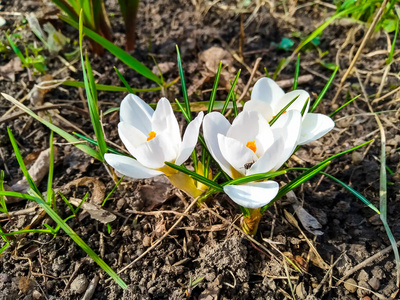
164, 121
130, 136
262, 107
269, 159
247, 126
236, 153
313, 127
254, 194
267, 90
189, 139
215, 123
288, 128
129, 166
296, 105
136, 112
155, 152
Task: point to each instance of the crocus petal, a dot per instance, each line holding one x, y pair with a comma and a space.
247, 125
215, 123
189, 139
268, 160
267, 90
130, 136
296, 105
129, 166
236, 153
262, 107
155, 152
253, 195
313, 127
164, 121
288, 128
136, 112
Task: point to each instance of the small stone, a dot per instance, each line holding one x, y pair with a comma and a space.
36, 295
374, 283
356, 157
377, 272
146, 241
350, 285
363, 276
366, 298
79, 285
301, 291
2, 21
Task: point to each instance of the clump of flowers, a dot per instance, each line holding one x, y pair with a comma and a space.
249, 152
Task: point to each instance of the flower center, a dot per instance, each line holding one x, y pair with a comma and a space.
152, 135
252, 146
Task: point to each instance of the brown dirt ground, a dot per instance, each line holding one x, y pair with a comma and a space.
41, 266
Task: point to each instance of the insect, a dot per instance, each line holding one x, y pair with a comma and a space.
248, 165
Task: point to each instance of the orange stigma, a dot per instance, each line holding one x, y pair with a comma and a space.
152, 135
252, 146
282, 114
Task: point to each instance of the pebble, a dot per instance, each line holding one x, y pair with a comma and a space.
146, 241
80, 283
363, 276
2, 21
36, 295
374, 283
350, 285
378, 272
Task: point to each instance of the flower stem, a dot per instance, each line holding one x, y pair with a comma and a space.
250, 223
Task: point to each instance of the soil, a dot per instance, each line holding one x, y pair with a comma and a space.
203, 247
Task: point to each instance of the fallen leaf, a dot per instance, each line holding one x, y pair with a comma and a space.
98, 190
95, 211
38, 171
213, 56
154, 194
13, 66
165, 67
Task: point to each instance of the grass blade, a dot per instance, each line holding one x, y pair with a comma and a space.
68, 230
214, 89
16, 50
282, 111
323, 92
353, 191
344, 105
196, 176
2, 199
122, 55
70, 138
91, 94
296, 72
112, 191
183, 83
254, 177
93, 142
123, 81
20, 160
231, 93
51, 170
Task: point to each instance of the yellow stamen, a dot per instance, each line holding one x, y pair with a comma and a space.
152, 135
252, 146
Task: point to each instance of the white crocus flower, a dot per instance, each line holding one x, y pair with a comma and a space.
250, 146
269, 99
153, 137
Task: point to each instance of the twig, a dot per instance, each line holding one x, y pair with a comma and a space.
246, 88
21, 212
363, 43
